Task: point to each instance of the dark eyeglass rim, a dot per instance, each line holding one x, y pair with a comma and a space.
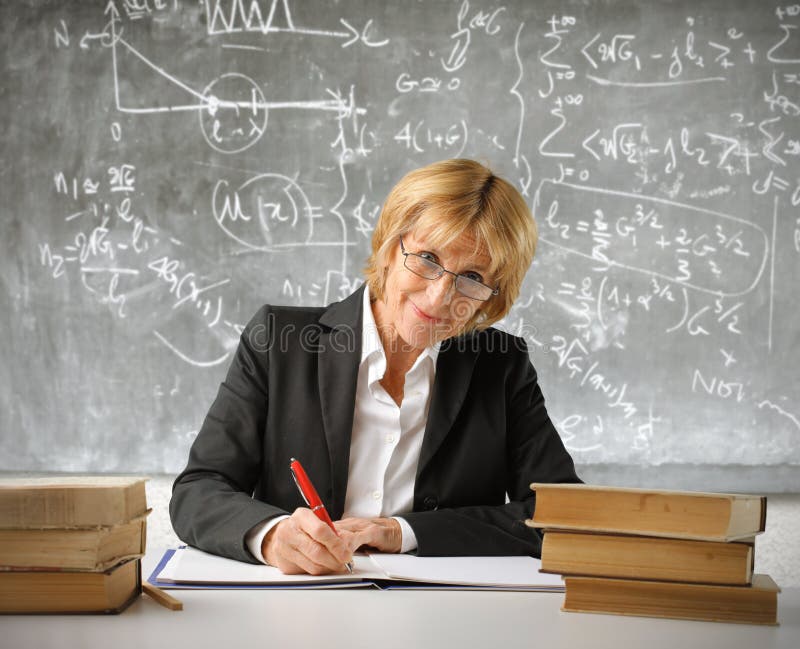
494, 291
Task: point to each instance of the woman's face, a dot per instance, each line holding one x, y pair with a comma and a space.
419, 311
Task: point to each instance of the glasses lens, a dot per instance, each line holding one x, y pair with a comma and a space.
472, 289
423, 267
428, 269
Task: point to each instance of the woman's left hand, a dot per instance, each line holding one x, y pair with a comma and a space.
382, 534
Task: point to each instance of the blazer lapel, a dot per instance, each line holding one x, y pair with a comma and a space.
454, 368
339, 357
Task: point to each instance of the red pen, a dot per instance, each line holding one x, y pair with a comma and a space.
312, 498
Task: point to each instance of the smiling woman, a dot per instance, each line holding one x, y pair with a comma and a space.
460, 200
430, 303
414, 443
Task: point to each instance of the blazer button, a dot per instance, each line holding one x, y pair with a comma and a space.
430, 503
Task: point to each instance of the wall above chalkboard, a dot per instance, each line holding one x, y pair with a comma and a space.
171, 165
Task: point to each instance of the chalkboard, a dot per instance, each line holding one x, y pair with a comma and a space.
168, 166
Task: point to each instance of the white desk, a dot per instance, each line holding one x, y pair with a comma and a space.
352, 619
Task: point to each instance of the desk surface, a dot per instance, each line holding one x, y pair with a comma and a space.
355, 618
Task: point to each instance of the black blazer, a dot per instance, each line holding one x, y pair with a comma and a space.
290, 392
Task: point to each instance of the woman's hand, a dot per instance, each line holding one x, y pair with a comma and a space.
382, 534
302, 543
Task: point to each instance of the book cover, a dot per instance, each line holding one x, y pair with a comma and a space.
643, 557
754, 604
72, 501
40, 591
94, 549
647, 512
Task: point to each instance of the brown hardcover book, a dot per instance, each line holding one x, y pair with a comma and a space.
94, 549
74, 501
70, 592
754, 604
647, 557
647, 512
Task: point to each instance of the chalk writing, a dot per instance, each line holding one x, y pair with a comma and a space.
173, 166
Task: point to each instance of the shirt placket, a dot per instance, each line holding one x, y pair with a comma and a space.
390, 418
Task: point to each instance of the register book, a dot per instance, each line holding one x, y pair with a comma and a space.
192, 568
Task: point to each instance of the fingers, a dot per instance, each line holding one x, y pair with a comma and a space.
304, 544
350, 524
383, 534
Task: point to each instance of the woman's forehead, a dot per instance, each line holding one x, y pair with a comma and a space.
466, 245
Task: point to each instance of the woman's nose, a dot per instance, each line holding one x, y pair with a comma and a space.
440, 291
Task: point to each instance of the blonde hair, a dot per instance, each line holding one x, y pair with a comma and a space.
445, 200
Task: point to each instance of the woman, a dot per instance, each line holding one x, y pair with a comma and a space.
413, 417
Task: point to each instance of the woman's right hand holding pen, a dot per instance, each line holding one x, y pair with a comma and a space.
303, 543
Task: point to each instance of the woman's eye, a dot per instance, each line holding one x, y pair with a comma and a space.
475, 277
427, 255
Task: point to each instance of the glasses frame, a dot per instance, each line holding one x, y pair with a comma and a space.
442, 271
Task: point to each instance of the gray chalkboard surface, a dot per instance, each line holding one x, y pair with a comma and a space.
169, 165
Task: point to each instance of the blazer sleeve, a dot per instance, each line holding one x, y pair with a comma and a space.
534, 453
212, 507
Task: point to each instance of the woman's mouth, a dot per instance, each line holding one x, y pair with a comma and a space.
424, 316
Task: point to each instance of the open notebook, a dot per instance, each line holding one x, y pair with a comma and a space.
191, 568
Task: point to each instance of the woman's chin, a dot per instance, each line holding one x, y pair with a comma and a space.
427, 335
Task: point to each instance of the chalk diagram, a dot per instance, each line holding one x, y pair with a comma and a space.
269, 212
232, 109
266, 212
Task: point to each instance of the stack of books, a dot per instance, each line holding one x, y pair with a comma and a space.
675, 554
71, 545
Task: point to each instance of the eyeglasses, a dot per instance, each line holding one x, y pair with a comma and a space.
429, 269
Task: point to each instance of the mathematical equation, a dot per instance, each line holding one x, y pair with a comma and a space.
249, 145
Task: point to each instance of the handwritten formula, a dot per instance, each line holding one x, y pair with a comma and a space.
173, 165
